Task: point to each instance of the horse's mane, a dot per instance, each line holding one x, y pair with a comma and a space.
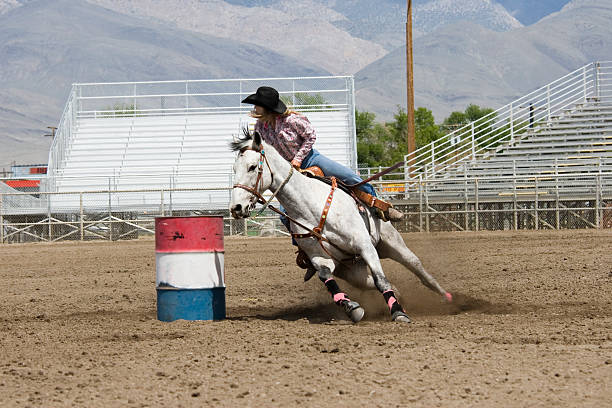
238, 144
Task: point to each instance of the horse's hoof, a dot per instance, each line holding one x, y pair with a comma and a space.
400, 316
354, 311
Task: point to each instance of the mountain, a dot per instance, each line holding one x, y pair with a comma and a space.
465, 63
340, 36
529, 11
45, 46
303, 30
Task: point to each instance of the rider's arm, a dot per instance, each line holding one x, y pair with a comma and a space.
304, 128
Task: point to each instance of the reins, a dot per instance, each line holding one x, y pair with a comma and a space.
312, 232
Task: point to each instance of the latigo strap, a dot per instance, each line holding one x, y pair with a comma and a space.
371, 201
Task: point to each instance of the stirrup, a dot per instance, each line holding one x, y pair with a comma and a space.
381, 214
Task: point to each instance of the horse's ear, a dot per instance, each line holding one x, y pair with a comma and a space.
256, 140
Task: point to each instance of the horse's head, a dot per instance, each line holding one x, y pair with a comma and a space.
251, 178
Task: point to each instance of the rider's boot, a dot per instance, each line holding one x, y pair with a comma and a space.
383, 209
394, 215
303, 261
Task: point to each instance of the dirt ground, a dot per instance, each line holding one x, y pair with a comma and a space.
531, 326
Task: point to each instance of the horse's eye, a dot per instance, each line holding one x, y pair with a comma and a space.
252, 168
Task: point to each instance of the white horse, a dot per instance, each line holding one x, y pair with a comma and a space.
259, 167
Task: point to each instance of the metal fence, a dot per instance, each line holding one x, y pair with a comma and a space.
502, 203
479, 139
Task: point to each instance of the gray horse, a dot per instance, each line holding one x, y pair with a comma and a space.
259, 167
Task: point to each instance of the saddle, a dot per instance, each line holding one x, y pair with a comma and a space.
360, 196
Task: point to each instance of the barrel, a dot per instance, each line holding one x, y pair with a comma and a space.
189, 268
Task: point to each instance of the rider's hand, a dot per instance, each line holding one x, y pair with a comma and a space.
296, 164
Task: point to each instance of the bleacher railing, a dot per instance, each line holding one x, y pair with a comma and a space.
478, 139
61, 142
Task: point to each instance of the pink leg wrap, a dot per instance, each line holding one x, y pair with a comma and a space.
338, 297
391, 300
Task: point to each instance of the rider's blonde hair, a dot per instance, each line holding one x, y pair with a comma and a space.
269, 117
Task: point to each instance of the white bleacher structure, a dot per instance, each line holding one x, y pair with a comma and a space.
557, 141
174, 135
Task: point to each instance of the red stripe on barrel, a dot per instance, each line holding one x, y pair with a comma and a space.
189, 234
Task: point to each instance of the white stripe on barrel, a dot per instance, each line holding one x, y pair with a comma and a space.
189, 257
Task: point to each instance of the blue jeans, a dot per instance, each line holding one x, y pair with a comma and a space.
330, 168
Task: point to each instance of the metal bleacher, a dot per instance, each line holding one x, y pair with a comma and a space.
148, 141
554, 141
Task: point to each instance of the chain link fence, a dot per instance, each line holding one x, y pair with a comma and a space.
504, 203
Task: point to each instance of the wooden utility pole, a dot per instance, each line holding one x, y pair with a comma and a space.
52, 134
410, 87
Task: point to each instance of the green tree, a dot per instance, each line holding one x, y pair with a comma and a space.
370, 149
304, 99
426, 130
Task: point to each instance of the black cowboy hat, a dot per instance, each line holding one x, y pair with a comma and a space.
268, 98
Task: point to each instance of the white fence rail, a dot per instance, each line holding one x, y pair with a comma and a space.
593, 82
521, 202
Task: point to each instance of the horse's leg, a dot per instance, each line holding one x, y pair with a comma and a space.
356, 274
392, 246
325, 267
370, 256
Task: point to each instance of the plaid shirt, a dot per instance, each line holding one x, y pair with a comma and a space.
293, 136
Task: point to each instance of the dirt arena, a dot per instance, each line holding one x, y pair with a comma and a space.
531, 326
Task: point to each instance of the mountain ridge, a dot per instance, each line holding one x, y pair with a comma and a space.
488, 68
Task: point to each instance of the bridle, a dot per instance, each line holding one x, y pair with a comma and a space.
257, 197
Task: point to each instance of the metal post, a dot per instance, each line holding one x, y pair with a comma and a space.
1, 219
473, 143
557, 216
598, 202
476, 205
596, 67
110, 212
515, 203
511, 122
426, 207
537, 204
186, 96
465, 196
49, 217
433, 165
420, 203
81, 211
548, 103
162, 203
584, 83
